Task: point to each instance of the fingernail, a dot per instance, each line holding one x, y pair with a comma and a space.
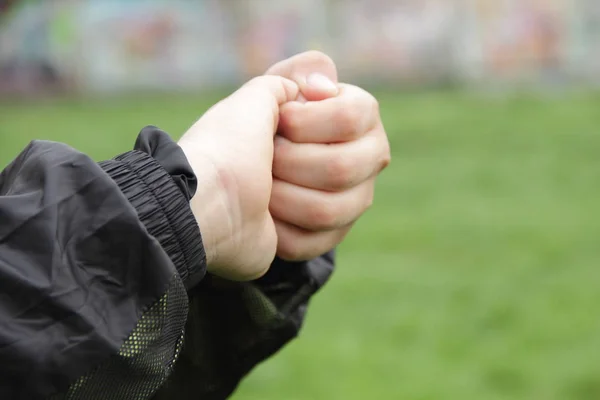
321, 82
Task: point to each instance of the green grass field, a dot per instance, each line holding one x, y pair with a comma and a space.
476, 275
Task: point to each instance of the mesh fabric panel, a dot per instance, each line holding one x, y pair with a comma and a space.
245, 327
145, 359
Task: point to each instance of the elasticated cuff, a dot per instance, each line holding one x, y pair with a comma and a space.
163, 209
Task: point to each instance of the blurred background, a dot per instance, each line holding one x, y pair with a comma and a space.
475, 275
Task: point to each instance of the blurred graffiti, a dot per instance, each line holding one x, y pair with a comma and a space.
35, 41
162, 45
108, 45
521, 40
585, 44
406, 40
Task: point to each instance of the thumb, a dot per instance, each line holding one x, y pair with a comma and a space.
314, 72
254, 107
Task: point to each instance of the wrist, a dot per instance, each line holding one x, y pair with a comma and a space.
210, 205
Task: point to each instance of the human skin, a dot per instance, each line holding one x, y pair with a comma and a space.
285, 165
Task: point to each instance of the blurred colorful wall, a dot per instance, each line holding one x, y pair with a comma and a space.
121, 45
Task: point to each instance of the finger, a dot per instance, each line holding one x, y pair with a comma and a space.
256, 104
339, 119
317, 210
297, 244
313, 71
331, 167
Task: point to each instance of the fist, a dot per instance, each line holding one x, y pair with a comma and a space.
330, 147
230, 149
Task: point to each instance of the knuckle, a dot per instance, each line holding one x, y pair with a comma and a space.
323, 215
290, 123
347, 119
370, 107
340, 172
373, 104
386, 159
366, 108
290, 117
385, 162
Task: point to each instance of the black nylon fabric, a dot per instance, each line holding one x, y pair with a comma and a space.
145, 359
162, 199
93, 263
233, 326
77, 266
170, 156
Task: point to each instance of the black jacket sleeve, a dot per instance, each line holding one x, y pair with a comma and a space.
233, 326
103, 285
93, 263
